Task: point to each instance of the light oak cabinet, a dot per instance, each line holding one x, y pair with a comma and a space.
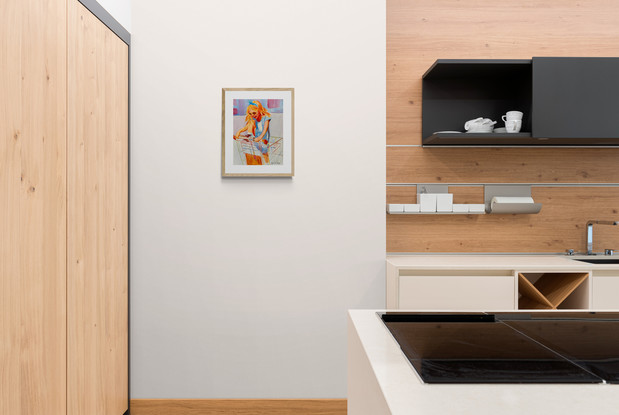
63, 211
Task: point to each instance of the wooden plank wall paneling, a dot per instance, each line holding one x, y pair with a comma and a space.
502, 165
238, 406
97, 254
421, 31
32, 207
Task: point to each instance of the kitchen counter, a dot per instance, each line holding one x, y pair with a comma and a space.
520, 262
382, 381
498, 282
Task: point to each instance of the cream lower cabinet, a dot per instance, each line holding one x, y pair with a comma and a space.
442, 291
492, 283
498, 290
605, 290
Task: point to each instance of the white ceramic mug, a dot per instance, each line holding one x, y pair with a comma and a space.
513, 126
512, 115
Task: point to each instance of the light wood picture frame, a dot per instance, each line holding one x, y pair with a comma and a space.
257, 132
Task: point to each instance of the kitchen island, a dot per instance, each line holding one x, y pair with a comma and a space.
381, 380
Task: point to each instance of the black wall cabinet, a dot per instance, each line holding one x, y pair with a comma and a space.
565, 101
576, 98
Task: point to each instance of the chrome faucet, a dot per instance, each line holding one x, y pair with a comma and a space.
590, 232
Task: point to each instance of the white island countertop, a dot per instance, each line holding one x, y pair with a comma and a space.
382, 381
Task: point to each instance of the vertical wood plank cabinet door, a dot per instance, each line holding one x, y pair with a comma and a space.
32, 207
97, 210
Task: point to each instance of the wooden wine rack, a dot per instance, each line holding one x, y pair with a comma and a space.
550, 290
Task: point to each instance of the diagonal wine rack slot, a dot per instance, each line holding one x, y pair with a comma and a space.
550, 290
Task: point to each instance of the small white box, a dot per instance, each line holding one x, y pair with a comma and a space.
411, 208
444, 202
427, 202
395, 208
477, 208
459, 208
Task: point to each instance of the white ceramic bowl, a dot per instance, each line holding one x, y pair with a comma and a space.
480, 129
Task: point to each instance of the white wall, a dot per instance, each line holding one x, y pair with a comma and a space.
239, 287
120, 10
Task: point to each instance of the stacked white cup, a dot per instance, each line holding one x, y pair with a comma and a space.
513, 121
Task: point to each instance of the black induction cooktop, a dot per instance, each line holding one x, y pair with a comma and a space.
537, 347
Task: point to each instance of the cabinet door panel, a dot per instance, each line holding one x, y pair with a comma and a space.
575, 98
32, 207
605, 295
456, 293
98, 218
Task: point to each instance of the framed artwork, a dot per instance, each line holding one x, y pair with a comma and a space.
257, 132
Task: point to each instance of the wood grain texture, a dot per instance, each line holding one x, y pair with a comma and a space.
98, 217
401, 194
556, 287
238, 406
502, 165
421, 31
559, 226
531, 297
32, 207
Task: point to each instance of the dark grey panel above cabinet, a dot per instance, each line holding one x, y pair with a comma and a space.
477, 68
576, 98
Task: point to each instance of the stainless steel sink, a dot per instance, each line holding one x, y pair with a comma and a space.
600, 260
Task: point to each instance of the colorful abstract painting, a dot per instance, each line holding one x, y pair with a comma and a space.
257, 132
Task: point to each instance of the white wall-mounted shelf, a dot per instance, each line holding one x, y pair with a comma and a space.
415, 209
437, 213
435, 199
